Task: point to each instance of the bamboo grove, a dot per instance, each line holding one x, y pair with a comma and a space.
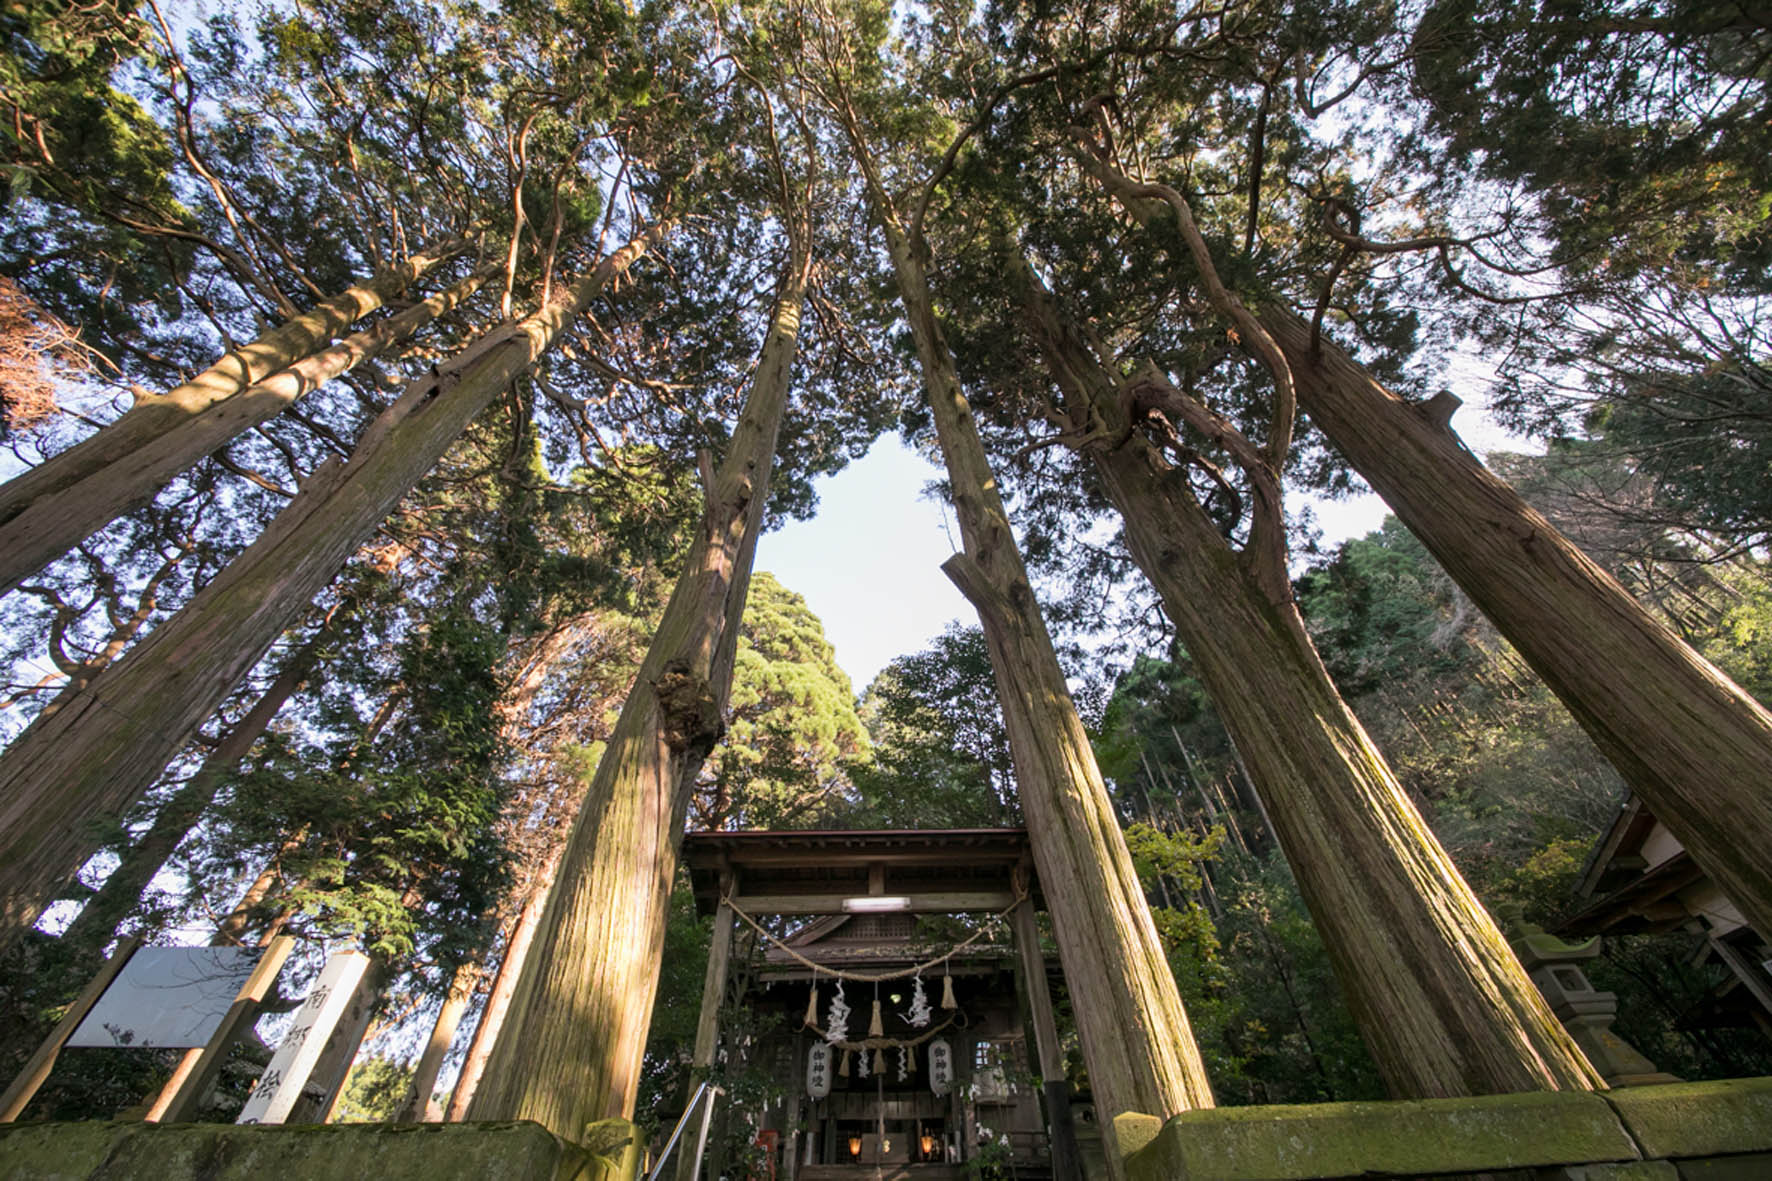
397, 393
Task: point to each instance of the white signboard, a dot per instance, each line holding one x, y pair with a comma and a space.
280, 1086
818, 1070
168, 997
941, 1066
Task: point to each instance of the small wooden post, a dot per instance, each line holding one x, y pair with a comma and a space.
24, 1087
1066, 1163
334, 1067
281, 1088
707, 1027
178, 1100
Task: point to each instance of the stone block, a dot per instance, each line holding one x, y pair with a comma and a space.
1754, 1166
1642, 1170
225, 1152
1698, 1119
57, 1152
1133, 1130
1403, 1139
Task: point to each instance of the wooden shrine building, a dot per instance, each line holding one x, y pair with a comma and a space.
944, 1086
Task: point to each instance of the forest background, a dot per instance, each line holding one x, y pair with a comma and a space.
1576, 193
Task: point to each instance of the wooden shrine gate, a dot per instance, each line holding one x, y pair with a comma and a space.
901, 1098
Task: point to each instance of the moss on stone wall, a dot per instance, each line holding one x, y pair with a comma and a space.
1616, 1135
224, 1152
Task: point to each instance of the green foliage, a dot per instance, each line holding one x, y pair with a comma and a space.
1258, 985
1377, 614
1628, 128
1704, 438
940, 752
78, 139
393, 816
1176, 856
671, 1036
373, 1090
1543, 883
1741, 644
793, 730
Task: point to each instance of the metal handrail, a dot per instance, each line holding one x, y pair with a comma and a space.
677, 1132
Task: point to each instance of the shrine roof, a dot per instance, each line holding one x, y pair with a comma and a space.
797, 871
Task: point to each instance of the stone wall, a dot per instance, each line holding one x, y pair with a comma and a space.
373, 1152
1714, 1131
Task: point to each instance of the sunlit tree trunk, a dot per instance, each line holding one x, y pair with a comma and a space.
155, 415
420, 1105
571, 1047
1687, 740
504, 987
1112, 957
180, 431
1441, 1000
96, 755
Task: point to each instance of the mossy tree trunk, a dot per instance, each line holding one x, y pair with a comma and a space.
47, 510
1441, 1000
1686, 738
1136, 1037
55, 522
572, 1043
96, 755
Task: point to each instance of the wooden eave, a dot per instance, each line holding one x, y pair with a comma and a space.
786, 872
1617, 857
1647, 904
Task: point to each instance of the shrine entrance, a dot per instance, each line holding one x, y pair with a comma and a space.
904, 1002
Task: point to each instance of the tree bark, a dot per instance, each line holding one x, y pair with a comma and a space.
1112, 958
1686, 739
98, 754
504, 987
155, 414
420, 1104
572, 1046
1442, 1002
1682, 735
97, 921
183, 431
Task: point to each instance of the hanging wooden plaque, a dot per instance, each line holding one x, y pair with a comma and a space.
818, 1070
941, 1066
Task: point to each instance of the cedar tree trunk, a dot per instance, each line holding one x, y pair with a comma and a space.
571, 1049
420, 1104
96, 755
1683, 736
1441, 1000
1136, 1037
155, 414
504, 987
183, 431
122, 890
1687, 740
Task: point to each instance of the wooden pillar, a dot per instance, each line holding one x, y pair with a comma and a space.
1066, 1163
707, 1028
